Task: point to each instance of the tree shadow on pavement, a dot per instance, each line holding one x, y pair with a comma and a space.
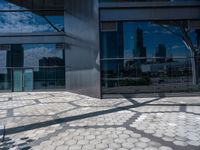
23, 144
74, 118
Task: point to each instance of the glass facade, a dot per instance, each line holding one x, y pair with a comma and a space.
31, 16
136, 56
150, 56
42, 65
148, 1
27, 67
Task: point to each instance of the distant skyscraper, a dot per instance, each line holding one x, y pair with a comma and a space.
139, 49
160, 53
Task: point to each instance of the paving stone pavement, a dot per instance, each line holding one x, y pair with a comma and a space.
66, 121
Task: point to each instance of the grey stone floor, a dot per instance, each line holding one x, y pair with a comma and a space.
66, 121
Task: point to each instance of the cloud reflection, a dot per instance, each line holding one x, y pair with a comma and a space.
26, 21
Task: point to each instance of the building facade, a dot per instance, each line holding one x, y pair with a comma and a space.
100, 47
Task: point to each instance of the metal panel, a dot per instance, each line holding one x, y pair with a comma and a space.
32, 38
82, 52
143, 4
151, 13
39, 4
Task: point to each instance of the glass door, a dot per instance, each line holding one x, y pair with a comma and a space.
28, 80
22, 80
18, 80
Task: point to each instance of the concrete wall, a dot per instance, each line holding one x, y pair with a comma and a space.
82, 47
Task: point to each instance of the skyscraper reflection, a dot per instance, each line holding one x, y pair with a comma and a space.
160, 53
139, 49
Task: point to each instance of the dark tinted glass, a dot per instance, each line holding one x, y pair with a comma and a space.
148, 0
47, 61
31, 5
150, 56
5, 72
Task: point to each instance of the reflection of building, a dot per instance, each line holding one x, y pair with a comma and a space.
113, 48
51, 61
50, 68
171, 69
139, 49
160, 53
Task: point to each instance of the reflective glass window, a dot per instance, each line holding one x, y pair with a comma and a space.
32, 5
31, 16
24, 22
148, 0
150, 56
46, 61
5, 71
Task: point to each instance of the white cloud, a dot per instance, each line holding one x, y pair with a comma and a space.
32, 55
178, 46
15, 22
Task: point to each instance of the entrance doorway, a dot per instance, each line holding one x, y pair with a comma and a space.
23, 80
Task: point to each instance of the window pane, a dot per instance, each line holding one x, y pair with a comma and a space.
32, 5
148, 0
47, 61
150, 56
24, 22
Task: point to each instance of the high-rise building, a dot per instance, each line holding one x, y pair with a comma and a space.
139, 49
160, 53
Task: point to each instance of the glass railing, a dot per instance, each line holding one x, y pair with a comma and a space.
147, 75
45, 77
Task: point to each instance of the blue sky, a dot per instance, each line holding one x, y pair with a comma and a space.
153, 35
